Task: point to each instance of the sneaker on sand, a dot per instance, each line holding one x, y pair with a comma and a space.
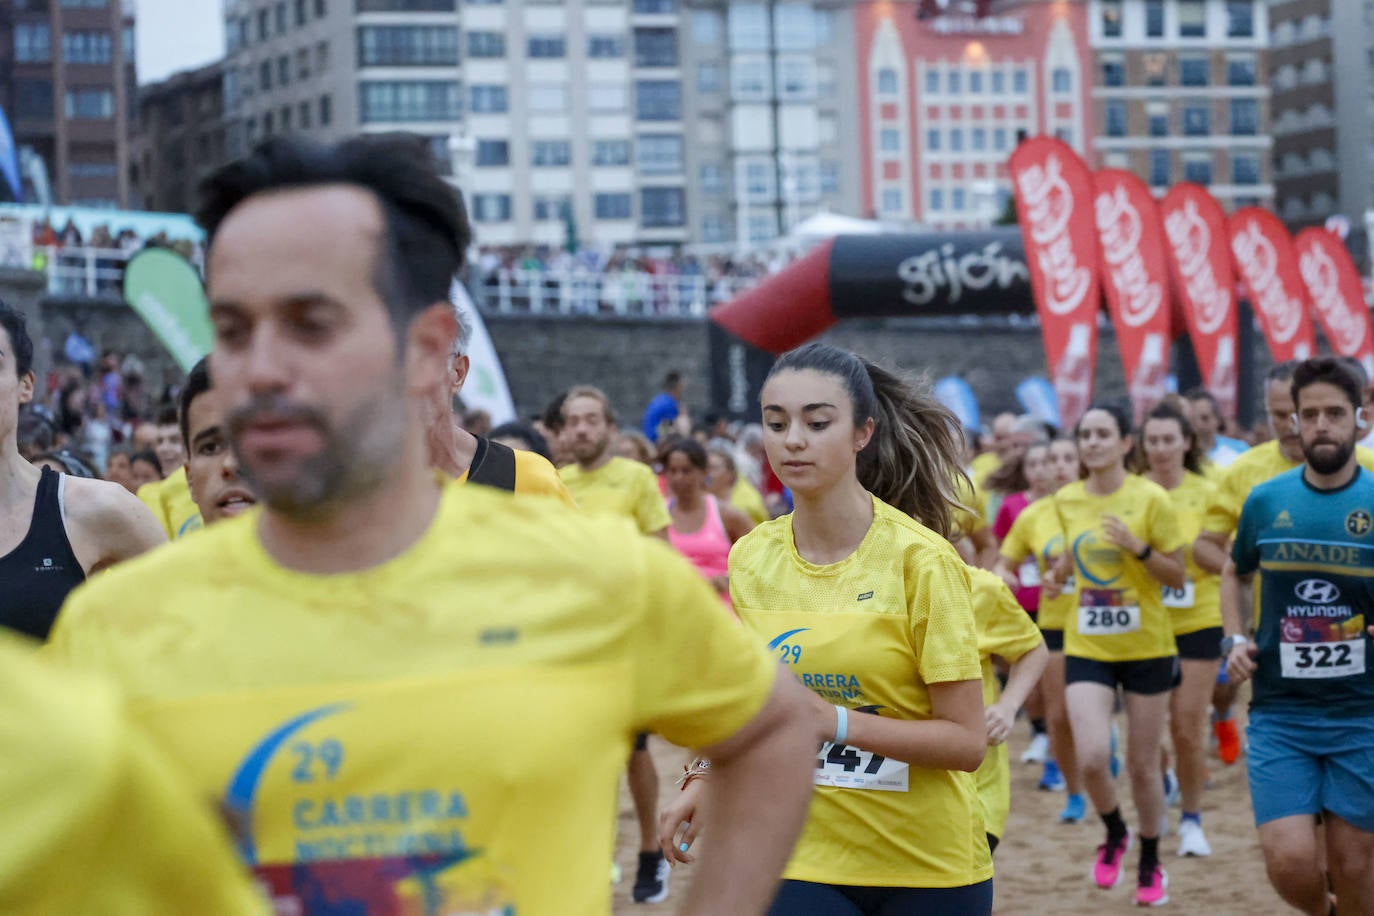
1039, 750
1192, 841
1153, 889
1052, 780
1228, 741
1075, 809
651, 881
1107, 865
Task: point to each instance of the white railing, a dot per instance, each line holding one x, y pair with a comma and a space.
75, 271
631, 293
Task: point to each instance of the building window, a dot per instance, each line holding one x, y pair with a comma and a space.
1245, 168
1192, 18
1156, 68
326, 110
1115, 118
612, 206
763, 227
999, 82
748, 26
486, 44
1197, 168
546, 47
1065, 134
92, 170
608, 97
712, 179
1154, 18
1113, 71
712, 228
999, 139
32, 43
957, 199
1159, 168
1240, 70
283, 70
750, 80
655, 7
887, 81
1192, 71
796, 79
493, 153
1020, 81
1157, 117
937, 199
321, 8
759, 178
33, 99
956, 139
322, 57
394, 100
90, 104
611, 152
305, 115
303, 64
548, 98
975, 82
660, 154
86, 47
658, 100
280, 17
547, 209
662, 208
1062, 81
1111, 18
1197, 120
1244, 117
708, 78
890, 140
954, 82
264, 24
830, 178
707, 27
265, 75
1240, 19
286, 117
488, 99
605, 47
794, 26
933, 82
655, 47
933, 140
491, 208
892, 200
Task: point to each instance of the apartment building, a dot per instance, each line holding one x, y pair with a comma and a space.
67, 84
1181, 94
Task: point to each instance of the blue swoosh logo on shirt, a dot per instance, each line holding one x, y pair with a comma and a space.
782, 637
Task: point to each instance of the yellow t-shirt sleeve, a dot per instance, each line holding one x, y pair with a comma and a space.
89, 788
943, 629
748, 500
150, 494
651, 511
1165, 534
534, 475
1016, 545
699, 677
1010, 632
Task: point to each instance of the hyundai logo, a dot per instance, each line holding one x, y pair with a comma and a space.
1316, 591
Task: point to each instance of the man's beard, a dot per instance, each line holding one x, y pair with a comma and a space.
590, 452
1326, 457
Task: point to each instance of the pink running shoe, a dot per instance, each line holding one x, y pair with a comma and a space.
1107, 867
1155, 890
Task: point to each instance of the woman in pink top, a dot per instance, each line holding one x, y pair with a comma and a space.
703, 529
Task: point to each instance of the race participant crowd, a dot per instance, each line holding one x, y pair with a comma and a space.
405, 661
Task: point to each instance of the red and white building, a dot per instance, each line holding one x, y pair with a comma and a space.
944, 98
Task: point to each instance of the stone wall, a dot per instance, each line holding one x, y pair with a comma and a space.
628, 357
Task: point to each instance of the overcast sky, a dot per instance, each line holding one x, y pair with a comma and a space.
176, 35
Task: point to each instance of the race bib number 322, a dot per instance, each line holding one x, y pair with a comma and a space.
1310, 649
846, 767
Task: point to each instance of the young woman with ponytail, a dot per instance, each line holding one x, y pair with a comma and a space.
860, 593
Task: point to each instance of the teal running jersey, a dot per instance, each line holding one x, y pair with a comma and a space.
1314, 551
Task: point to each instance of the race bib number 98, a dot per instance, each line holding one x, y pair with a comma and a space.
1104, 612
1180, 597
846, 767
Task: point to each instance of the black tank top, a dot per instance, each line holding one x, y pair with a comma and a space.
36, 576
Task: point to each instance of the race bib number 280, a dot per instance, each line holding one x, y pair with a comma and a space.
846, 767
1104, 612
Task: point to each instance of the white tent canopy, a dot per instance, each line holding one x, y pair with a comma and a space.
828, 225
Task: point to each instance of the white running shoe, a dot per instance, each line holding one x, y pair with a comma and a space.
1038, 751
1192, 841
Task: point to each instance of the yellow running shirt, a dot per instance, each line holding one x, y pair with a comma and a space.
620, 487
534, 476
1006, 631
96, 821
970, 521
1252, 468
451, 723
746, 498
982, 466
1197, 605
1036, 538
1120, 616
170, 500
870, 633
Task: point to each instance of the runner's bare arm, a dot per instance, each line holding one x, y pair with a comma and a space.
954, 738
107, 524
737, 523
1007, 572
985, 543
1209, 552
1240, 664
1022, 677
759, 789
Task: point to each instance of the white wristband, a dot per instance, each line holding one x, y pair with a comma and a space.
841, 724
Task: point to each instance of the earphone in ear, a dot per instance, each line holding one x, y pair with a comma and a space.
1361, 421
